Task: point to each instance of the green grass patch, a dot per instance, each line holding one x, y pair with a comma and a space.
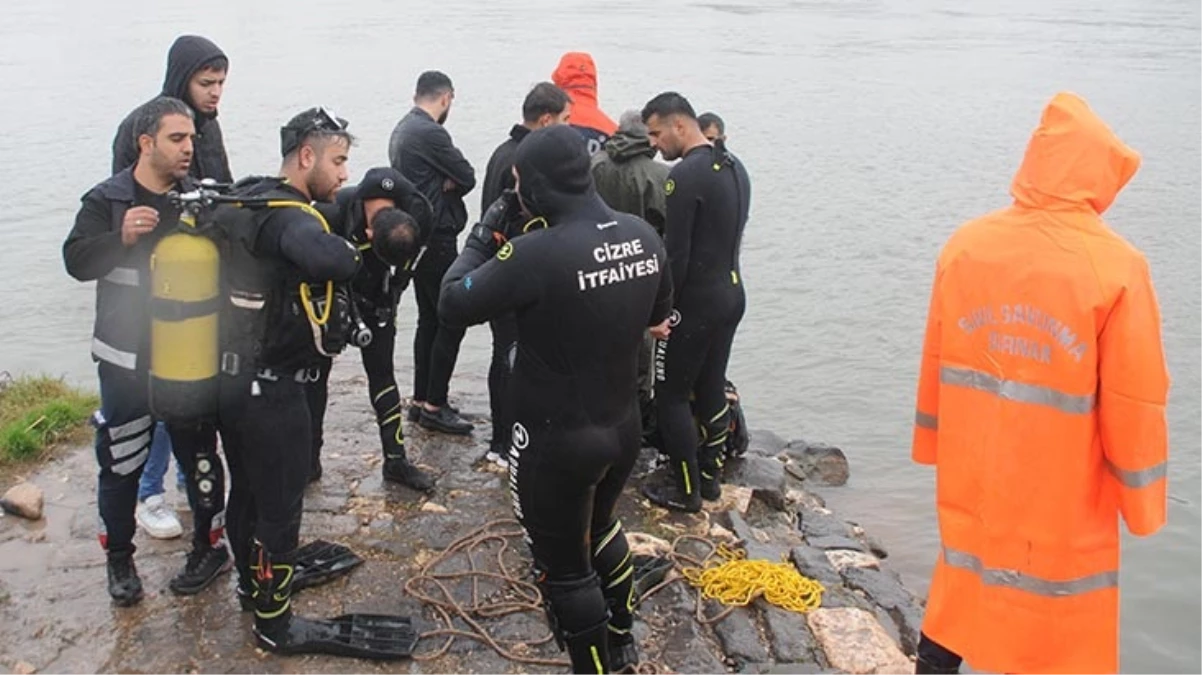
37, 413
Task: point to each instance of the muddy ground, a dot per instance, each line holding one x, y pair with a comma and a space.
56, 616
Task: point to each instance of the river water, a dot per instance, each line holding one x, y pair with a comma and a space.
871, 129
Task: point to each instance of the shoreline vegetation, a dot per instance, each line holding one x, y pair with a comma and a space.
39, 416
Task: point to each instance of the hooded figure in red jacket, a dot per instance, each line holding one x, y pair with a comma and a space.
577, 75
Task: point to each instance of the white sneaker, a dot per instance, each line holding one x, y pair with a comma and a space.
157, 518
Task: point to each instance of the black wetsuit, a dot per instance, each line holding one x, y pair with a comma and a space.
376, 291
264, 416
708, 200
583, 292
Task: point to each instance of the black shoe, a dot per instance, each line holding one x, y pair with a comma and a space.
445, 420
664, 493
623, 653
402, 471
124, 583
415, 411
203, 568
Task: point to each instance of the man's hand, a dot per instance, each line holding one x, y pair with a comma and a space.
661, 331
448, 185
138, 221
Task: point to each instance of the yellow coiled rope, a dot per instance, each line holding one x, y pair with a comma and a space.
737, 581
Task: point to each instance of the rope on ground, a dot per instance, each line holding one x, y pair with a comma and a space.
724, 574
510, 594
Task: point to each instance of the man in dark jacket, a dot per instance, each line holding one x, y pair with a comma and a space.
421, 149
115, 231
546, 104
196, 70
630, 180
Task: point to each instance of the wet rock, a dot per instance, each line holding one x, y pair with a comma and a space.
821, 523
854, 642
765, 443
885, 590
788, 633
836, 542
757, 473
328, 525
804, 499
23, 668
841, 596
641, 543
739, 638
24, 500
783, 668
758, 544
823, 464
431, 507
843, 559
684, 644
814, 564
734, 497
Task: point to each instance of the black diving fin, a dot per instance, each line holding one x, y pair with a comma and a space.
649, 572
365, 636
321, 561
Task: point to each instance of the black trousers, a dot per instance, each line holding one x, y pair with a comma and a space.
264, 426
435, 343
504, 343
935, 658
691, 364
123, 433
565, 484
124, 427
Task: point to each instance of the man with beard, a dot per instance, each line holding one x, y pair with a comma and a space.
115, 232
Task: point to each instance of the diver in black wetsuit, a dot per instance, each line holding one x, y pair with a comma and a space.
708, 200
389, 221
583, 290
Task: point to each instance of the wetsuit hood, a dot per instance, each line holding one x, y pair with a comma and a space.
554, 173
1073, 160
628, 144
188, 54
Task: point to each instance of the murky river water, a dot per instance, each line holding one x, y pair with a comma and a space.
871, 129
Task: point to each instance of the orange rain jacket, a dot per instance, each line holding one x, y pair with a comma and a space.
577, 75
1041, 402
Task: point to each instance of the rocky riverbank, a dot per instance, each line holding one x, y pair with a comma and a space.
453, 561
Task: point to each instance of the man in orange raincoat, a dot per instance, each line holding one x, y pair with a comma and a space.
1041, 403
577, 75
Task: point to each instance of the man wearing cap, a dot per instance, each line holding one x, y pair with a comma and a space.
388, 221
277, 266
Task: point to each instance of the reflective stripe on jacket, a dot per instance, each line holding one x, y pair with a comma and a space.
1041, 402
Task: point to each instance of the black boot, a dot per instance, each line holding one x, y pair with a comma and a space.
403, 472
677, 488
397, 469
579, 620
612, 563
125, 586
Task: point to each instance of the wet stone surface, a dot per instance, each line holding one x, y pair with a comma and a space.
57, 615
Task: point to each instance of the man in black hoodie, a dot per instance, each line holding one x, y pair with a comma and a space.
546, 104
196, 70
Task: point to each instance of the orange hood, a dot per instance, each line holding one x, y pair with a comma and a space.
1073, 160
577, 75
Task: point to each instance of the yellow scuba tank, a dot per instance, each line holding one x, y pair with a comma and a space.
185, 287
